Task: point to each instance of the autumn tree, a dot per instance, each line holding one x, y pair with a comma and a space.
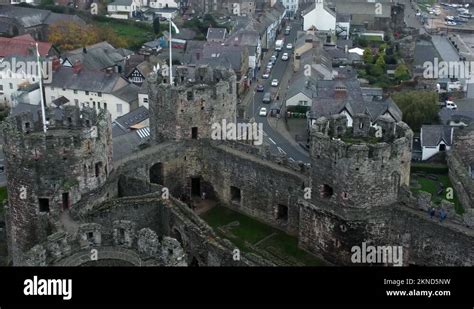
68, 35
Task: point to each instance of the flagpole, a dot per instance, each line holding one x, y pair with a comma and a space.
43, 113
171, 57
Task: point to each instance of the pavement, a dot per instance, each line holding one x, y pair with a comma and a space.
275, 132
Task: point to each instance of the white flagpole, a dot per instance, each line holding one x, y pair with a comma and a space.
171, 57
43, 112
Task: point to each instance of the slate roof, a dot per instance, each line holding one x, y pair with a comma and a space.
432, 135
129, 93
326, 103
122, 125
97, 57
363, 8
126, 144
216, 33
86, 80
32, 17
122, 2
231, 54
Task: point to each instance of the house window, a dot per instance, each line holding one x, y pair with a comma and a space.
98, 103
75, 91
11, 86
87, 92
99, 94
93, 104
119, 109
194, 133
43, 204
76, 102
145, 100
105, 105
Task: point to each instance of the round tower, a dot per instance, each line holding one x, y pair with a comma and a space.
361, 166
47, 173
200, 97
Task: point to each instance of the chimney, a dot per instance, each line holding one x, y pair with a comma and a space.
340, 92
56, 64
146, 56
77, 67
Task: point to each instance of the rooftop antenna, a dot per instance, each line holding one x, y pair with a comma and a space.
43, 113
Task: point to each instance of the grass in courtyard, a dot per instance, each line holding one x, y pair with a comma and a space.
253, 231
431, 186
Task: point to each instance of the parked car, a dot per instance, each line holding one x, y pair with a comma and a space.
285, 57
275, 83
451, 105
263, 112
289, 46
266, 74
270, 65
267, 97
273, 59
260, 88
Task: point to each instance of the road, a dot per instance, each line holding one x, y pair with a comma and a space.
278, 144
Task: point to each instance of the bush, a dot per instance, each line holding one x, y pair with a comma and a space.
428, 168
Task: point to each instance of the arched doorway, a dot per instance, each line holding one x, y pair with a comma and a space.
156, 174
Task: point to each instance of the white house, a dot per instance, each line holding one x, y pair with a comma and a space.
12, 79
123, 9
319, 16
161, 4
291, 6
96, 89
435, 139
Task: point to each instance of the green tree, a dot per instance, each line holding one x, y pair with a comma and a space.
402, 73
418, 107
156, 26
376, 70
380, 61
368, 56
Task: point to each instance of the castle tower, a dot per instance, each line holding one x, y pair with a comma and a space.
361, 166
200, 97
47, 173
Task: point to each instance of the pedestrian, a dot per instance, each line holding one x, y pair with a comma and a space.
204, 195
432, 212
442, 215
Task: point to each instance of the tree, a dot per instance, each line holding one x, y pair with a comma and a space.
368, 57
156, 26
402, 73
380, 61
67, 35
418, 107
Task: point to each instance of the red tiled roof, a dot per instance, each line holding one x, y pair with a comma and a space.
21, 46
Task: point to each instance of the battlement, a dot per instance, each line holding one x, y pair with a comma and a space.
191, 76
64, 118
333, 138
122, 243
